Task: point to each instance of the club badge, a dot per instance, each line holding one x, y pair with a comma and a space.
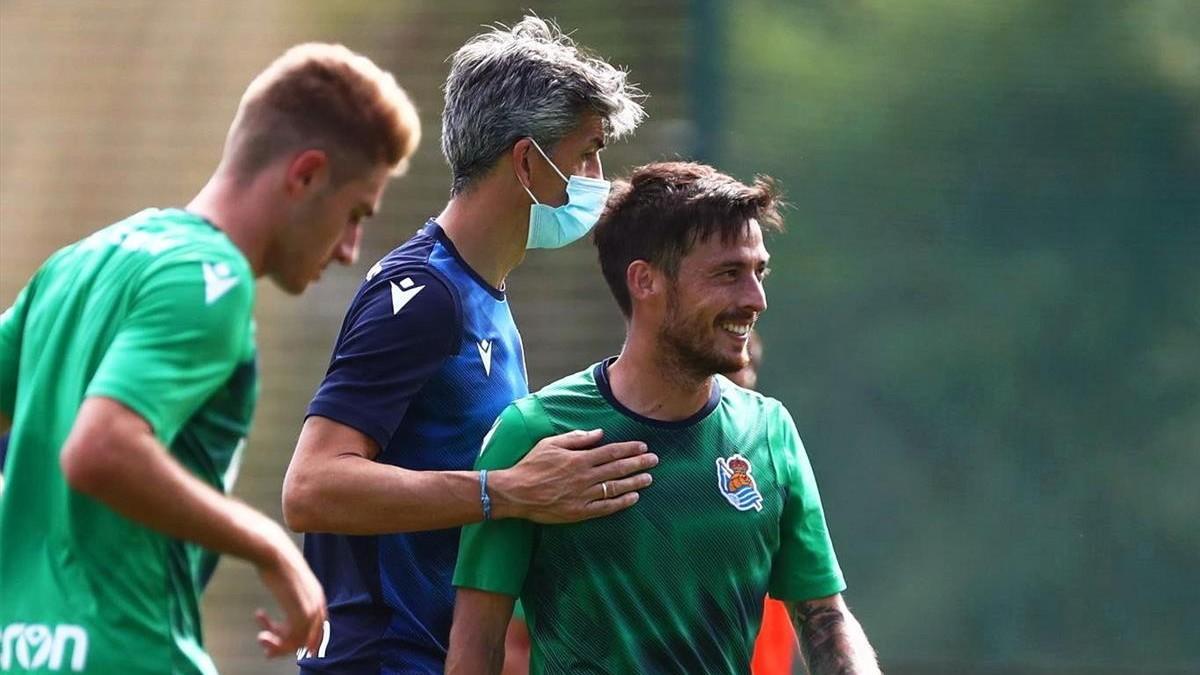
736, 484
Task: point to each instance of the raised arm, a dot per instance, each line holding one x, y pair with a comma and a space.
477, 636
831, 639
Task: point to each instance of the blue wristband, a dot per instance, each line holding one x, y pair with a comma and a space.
484, 499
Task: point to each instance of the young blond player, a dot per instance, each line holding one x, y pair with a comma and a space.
127, 373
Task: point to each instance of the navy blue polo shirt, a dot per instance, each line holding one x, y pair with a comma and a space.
427, 358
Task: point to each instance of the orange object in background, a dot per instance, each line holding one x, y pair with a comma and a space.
776, 645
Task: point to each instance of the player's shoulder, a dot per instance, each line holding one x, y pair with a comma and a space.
539, 410
574, 388
170, 240
735, 394
402, 294
529, 419
413, 253
168, 233
579, 381
166, 253
156, 237
749, 404
191, 241
398, 283
408, 266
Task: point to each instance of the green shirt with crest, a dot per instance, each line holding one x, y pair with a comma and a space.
674, 584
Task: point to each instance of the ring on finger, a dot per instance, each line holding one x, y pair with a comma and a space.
604, 487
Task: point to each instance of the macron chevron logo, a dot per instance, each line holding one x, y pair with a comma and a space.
218, 279
403, 293
485, 353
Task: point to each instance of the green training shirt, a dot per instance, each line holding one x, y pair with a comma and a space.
674, 584
154, 312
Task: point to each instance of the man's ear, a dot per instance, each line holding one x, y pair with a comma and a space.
520, 161
645, 282
308, 171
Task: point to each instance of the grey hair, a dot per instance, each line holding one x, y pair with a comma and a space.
529, 80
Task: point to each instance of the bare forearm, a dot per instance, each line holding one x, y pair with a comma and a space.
354, 495
334, 484
117, 461
172, 501
113, 456
477, 635
473, 655
832, 640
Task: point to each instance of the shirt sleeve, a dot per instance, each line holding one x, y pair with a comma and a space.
179, 342
397, 335
12, 326
493, 555
805, 566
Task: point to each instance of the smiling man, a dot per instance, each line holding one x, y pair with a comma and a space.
674, 585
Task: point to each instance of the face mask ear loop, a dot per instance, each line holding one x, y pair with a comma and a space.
535, 200
522, 183
552, 166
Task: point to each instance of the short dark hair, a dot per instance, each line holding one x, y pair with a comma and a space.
664, 209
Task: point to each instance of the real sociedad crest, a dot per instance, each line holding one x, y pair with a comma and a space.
736, 484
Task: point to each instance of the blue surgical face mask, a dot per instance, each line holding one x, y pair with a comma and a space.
557, 226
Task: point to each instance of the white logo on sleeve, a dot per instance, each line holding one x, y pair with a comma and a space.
34, 646
487, 438
485, 353
375, 269
218, 279
303, 653
402, 293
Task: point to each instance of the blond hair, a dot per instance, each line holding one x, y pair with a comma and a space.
325, 97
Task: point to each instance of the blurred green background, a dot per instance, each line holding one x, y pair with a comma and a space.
985, 316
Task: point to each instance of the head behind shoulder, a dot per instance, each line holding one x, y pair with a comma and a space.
319, 96
316, 137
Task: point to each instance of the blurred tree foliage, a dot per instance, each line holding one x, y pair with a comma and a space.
986, 315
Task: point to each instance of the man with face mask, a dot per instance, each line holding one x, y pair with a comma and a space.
675, 585
429, 355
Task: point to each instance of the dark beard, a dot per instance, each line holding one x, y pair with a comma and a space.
685, 351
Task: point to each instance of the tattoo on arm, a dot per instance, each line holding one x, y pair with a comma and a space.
832, 641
